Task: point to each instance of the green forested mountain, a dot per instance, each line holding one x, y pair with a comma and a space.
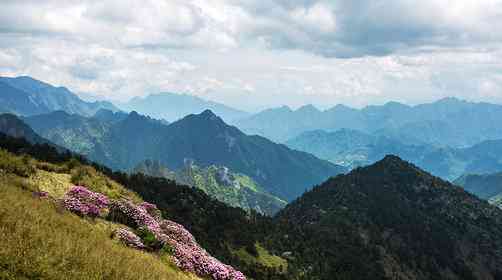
447, 122
234, 189
26, 96
391, 220
204, 139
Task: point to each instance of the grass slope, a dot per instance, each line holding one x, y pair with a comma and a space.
39, 241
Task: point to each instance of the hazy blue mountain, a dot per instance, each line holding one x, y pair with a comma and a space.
74, 132
172, 107
486, 186
447, 122
26, 96
110, 116
353, 148
219, 182
13, 126
391, 220
204, 139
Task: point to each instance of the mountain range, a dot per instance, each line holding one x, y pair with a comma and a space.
173, 106
447, 122
353, 148
204, 139
26, 96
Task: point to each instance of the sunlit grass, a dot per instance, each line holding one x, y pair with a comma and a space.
264, 258
41, 242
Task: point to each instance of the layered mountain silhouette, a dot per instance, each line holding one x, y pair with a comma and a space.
353, 148
172, 106
202, 138
447, 122
27, 96
392, 220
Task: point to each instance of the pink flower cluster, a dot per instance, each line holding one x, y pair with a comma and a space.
151, 209
129, 238
84, 202
188, 255
124, 211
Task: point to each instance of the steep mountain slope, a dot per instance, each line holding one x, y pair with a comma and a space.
206, 140
392, 220
487, 186
27, 96
230, 234
447, 122
234, 189
172, 106
353, 148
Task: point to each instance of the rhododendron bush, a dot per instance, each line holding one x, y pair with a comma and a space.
84, 202
151, 232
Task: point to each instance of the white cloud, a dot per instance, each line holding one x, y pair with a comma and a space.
264, 52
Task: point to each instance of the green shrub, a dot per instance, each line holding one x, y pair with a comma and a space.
149, 239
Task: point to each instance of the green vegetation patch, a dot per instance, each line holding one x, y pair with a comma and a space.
263, 257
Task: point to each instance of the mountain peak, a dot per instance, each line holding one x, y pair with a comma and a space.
208, 114
450, 100
309, 108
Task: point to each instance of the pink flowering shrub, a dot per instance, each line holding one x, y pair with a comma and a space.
187, 254
152, 210
84, 202
129, 238
126, 212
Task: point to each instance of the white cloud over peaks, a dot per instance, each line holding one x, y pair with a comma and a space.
254, 54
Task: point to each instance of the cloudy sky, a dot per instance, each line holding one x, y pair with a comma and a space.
256, 54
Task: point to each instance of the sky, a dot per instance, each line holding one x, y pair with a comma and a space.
258, 54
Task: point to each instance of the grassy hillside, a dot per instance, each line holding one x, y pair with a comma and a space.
220, 229
40, 241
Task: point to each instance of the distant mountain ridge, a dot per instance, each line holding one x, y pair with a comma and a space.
446, 122
353, 148
203, 138
173, 106
27, 96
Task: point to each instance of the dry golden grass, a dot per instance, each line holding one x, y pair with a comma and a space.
40, 242
88, 176
56, 184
